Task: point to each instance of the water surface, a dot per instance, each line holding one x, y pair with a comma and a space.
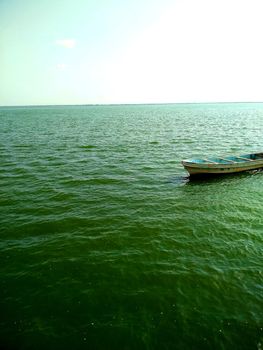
106, 244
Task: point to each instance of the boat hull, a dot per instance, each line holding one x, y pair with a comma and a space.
195, 169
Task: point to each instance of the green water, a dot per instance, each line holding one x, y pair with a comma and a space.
106, 244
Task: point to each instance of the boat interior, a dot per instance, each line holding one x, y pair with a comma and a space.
230, 159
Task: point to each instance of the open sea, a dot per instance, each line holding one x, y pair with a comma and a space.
106, 244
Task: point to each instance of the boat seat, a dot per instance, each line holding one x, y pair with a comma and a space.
247, 159
228, 160
209, 161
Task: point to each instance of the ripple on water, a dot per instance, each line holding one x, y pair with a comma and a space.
105, 238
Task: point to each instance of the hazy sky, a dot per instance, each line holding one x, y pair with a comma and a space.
133, 51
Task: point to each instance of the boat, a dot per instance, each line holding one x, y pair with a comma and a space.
225, 165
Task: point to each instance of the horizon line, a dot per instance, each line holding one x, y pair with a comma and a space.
129, 104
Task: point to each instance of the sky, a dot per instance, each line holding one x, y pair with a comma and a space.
130, 51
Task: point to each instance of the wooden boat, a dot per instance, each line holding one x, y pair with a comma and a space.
226, 165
